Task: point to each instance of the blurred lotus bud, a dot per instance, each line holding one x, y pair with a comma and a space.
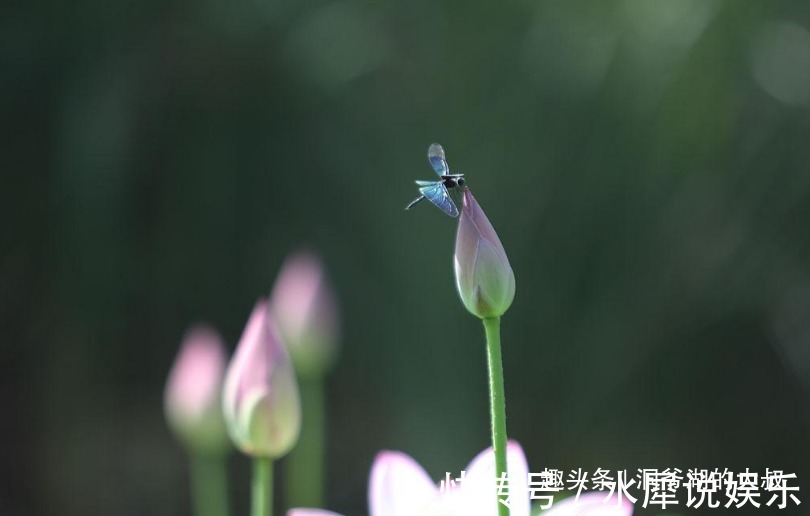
261, 402
484, 277
305, 310
193, 397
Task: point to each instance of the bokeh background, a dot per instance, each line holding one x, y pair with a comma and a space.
646, 164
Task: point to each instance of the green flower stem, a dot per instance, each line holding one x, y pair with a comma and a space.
209, 485
262, 487
305, 470
497, 400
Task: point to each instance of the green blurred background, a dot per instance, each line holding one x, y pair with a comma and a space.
646, 164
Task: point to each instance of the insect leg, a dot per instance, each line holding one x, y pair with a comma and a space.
415, 202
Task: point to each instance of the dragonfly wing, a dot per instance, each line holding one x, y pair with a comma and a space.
437, 160
437, 194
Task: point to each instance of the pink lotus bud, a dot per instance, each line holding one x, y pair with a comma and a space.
193, 396
484, 277
304, 307
261, 403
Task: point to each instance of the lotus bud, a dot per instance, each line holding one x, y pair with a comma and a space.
305, 310
261, 401
484, 278
193, 395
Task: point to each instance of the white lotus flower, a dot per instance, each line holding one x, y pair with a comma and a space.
399, 486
